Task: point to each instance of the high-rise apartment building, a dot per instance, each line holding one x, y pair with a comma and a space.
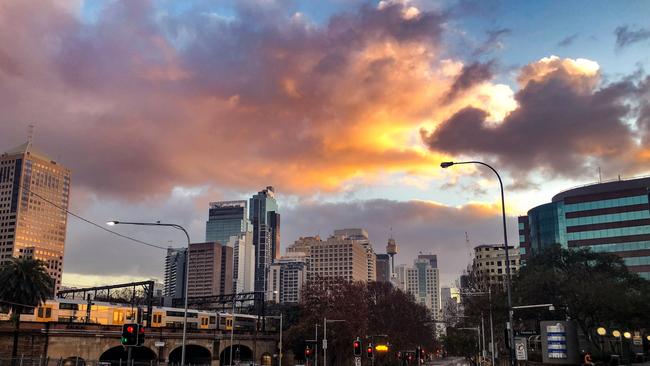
210, 269
610, 217
360, 236
265, 219
30, 226
423, 281
489, 265
432, 258
383, 268
334, 257
175, 273
286, 278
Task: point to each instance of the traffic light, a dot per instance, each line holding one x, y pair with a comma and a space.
399, 355
370, 352
357, 347
140, 335
307, 353
129, 334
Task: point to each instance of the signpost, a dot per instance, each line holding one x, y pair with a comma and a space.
521, 349
357, 361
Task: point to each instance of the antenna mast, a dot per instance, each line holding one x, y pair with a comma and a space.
30, 134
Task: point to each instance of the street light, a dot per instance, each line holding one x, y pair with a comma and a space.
325, 321
187, 270
511, 339
601, 331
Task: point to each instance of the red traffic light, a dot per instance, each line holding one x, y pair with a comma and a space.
307, 351
129, 329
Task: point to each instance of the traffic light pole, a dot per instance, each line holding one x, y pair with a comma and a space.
128, 355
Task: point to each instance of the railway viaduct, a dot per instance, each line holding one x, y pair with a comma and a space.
81, 343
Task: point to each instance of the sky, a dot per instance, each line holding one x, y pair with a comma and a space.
346, 107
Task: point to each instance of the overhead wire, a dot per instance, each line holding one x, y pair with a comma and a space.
92, 222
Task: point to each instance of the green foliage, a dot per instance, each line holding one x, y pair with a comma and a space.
594, 289
26, 282
460, 342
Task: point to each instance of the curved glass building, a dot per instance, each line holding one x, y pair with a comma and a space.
611, 217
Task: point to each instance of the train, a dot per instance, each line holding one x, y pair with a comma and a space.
107, 313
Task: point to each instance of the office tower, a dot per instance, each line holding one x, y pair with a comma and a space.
609, 217
175, 273
423, 281
304, 245
31, 227
226, 219
210, 269
244, 254
266, 233
489, 265
383, 268
432, 258
360, 236
286, 278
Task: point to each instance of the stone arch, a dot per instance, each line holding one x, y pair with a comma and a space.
241, 355
116, 354
194, 355
74, 361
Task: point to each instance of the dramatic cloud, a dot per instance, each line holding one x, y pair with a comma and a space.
471, 75
625, 36
566, 123
152, 100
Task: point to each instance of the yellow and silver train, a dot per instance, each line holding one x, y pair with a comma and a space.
106, 313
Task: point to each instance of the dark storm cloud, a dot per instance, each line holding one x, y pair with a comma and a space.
564, 125
566, 42
626, 36
416, 225
471, 75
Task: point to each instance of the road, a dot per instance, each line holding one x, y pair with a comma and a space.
449, 361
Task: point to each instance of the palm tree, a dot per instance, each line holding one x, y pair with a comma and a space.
25, 283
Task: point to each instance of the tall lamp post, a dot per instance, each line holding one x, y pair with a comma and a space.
325, 321
187, 270
511, 337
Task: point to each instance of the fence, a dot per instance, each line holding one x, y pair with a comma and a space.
74, 361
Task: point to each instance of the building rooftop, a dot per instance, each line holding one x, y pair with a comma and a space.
602, 187
27, 148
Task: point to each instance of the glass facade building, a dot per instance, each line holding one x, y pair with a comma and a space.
226, 219
265, 220
611, 217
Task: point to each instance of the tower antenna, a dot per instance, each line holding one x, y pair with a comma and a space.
30, 134
468, 246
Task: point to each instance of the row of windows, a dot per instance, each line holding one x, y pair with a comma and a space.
608, 233
616, 202
623, 216
637, 261
620, 247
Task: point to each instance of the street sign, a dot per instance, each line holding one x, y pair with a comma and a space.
520, 349
159, 344
357, 361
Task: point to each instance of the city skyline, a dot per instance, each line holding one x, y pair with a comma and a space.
347, 110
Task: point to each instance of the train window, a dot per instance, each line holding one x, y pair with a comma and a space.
48, 312
213, 319
118, 317
67, 306
40, 312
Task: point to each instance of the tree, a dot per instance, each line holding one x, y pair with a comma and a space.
593, 289
25, 284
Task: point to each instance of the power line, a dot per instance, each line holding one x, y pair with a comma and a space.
91, 222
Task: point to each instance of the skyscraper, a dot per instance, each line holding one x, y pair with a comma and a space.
228, 224
383, 268
30, 226
266, 233
175, 273
226, 219
286, 278
432, 258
